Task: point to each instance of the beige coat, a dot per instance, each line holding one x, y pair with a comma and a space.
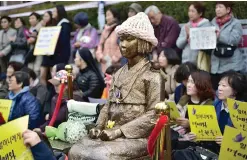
170, 82
5, 47
140, 92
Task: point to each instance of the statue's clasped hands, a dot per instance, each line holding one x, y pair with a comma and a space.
107, 134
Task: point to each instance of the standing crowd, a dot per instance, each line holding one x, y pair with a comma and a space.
33, 82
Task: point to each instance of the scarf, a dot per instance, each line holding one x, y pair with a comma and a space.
81, 32
110, 27
223, 20
194, 24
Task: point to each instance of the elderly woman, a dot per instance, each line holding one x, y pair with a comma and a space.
134, 8
124, 122
229, 34
196, 20
86, 35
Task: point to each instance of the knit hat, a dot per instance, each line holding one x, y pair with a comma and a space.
138, 26
57, 79
81, 19
136, 7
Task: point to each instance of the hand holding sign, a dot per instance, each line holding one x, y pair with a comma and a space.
11, 142
203, 122
184, 122
30, 138
219, 140
203, 38
47, 41
188, 137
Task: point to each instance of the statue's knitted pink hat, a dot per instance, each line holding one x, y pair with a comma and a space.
138, 26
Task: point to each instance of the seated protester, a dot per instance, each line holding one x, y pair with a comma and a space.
41, 147
86, 35
169, 63
56, 68
232, 85
12, 67
63, 112
199, 92
181, 76
50, 87
37, 89
23, 102
89, 79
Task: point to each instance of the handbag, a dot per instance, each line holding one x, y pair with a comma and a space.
224, 50
204, 61
204, 153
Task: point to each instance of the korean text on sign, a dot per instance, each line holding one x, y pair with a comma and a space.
203, 38
234, 145
11, 142
203, 122
238, 113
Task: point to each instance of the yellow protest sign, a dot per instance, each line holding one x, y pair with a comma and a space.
234, 145
11, 142
174, 113
47, 41
5, 106
203, 122
238, 113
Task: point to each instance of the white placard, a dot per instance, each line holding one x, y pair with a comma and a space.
203, 38
47, 40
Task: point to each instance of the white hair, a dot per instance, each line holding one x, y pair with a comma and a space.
153, 8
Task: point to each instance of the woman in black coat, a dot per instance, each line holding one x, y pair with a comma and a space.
62, 51
89, 80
